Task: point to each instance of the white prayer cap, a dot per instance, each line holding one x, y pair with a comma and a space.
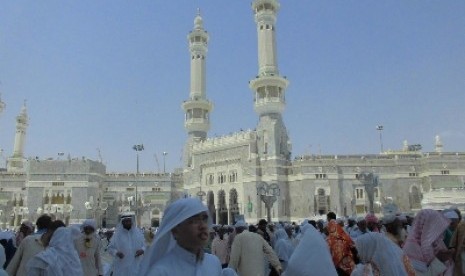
164, 242
240, 223
451, 214
228, 272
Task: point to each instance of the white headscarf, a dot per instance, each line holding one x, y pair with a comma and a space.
164, 242
60, 258
283, 246
378, 249
311, 257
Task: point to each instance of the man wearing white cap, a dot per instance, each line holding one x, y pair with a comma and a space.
248, 252
126, 246
179, 242
88, 246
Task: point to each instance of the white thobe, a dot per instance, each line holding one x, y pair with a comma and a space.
182, 262
127, 243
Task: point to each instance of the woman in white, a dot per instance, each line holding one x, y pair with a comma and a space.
311, 257
284, 246
380, 256
59, 258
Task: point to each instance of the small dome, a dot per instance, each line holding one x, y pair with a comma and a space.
198, 21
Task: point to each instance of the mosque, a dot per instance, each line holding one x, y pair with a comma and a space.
250, 174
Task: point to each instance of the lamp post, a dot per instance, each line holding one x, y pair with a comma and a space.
135, 200
138, 148
96, 209
380, 128
268, 194
164, 161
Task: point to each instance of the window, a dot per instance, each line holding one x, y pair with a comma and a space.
233, 176
413, 174
156, 189
210, 179
320, 176
444, 172
221, 177
58, 183
359, 193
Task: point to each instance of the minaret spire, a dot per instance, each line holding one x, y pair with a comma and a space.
16, 161
197, 108
268, 86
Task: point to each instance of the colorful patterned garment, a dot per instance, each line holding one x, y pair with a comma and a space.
340, 245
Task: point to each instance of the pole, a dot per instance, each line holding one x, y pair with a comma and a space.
136, 205
137, 162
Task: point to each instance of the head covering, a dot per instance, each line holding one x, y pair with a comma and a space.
60, 258
90, 223
228, 272
28, 224
425, 237
311, 257
164, 242
377, 249
450, 214
240, 223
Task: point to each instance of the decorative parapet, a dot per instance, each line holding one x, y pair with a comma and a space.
237, 138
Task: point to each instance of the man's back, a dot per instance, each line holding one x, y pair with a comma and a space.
248, 252
29, 247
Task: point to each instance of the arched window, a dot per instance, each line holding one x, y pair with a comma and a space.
415, 198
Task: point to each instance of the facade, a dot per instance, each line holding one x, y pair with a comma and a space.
249, 173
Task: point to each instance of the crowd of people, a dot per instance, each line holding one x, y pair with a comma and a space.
188, 243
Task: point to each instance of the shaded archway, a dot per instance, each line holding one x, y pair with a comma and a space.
155, 220
211, 205
233, 206
222, 208
415, 198
321, 202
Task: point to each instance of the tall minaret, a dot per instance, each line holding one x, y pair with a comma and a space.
268, 86
16, 161
197, 108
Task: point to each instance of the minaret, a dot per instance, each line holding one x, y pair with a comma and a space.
197, 108
16, 161
268, 86
438, 144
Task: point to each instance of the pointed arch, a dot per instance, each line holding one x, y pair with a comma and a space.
233, 205
222, 208
415, 197
211, 205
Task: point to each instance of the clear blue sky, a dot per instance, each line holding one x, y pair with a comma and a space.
111, 74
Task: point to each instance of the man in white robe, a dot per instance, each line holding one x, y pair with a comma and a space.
126, 246
88, 246
179, 243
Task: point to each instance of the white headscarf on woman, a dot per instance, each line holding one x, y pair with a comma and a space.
376, 250
311, 257
283, 247
59, 258
164, 241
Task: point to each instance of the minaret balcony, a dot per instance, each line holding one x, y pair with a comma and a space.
197, 124
269, 80
197, 104
269, 105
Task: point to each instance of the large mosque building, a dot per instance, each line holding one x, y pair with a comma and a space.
249, 174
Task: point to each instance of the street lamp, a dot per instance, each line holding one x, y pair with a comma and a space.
138, 148
380, 128
268, 194
136, 202
164, 163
